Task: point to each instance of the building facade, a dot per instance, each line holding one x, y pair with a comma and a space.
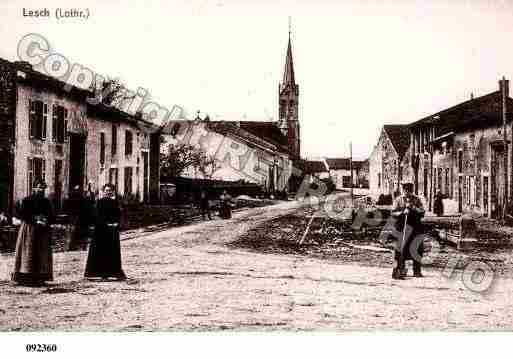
56, 134
239, 154
387, 160
460, 152
340, 172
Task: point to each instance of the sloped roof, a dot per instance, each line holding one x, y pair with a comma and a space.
267, 131
27, 74
361, 164
399, 135
248, 133
226, 127
309, 167
338, 163
477, 112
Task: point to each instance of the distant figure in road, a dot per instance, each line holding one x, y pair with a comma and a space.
204, 205
225, 210
104, 258
3, 219
80, 210
408, 212
33, 262
438, 205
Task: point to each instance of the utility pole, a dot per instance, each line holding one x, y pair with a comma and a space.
351, 170
504, 84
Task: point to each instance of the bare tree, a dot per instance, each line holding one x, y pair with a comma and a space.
180, 157
208, 166
112, 92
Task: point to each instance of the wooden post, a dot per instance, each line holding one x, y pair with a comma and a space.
503, 84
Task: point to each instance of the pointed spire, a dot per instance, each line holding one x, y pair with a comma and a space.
288, 74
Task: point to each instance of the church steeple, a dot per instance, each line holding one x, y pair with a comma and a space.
288, 74
288, 102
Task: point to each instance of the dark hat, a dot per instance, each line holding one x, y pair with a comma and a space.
39, 182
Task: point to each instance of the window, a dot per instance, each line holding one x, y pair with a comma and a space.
128, 180
59, 123
36, 169
425, 179
379, 180
460, 161
113, 177
447, 183
102, 149
128, 143
114, 140
283, 105
57, 184
37, 119
439, 179
175, 129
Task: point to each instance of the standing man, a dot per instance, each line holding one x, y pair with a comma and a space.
408, 212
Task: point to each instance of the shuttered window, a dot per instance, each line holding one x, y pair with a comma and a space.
38, 116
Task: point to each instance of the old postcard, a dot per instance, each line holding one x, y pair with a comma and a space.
253, 167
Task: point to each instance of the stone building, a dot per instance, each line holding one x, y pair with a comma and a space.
387, 160
261, 152
254, 152
460, 152
362, 173
57, 134
340, 172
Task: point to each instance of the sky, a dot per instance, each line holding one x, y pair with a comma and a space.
359, 64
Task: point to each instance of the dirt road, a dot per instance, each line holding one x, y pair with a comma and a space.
188, 278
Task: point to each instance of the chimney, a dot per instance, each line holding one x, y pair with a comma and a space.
471, 96
139, 115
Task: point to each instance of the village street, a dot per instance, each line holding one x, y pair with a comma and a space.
187, 278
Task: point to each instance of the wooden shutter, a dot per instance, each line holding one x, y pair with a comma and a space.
54, 122
32, 119
45, 120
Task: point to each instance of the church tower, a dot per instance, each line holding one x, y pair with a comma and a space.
288, 105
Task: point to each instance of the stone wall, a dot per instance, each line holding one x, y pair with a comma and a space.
7, 125
384, 168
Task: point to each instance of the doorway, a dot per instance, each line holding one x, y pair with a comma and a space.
76, 160
460, 194
497, 180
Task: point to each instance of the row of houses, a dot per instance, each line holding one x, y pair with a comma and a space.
464, 152
252, 152
52, 132
338, 170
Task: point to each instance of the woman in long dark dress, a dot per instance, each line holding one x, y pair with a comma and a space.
225, 210
104, 257
33, 263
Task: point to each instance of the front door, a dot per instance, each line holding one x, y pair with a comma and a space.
146, 170
460, 194
497, 180
485, 195
76, 160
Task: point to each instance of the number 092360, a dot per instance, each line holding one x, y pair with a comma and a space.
41, 347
